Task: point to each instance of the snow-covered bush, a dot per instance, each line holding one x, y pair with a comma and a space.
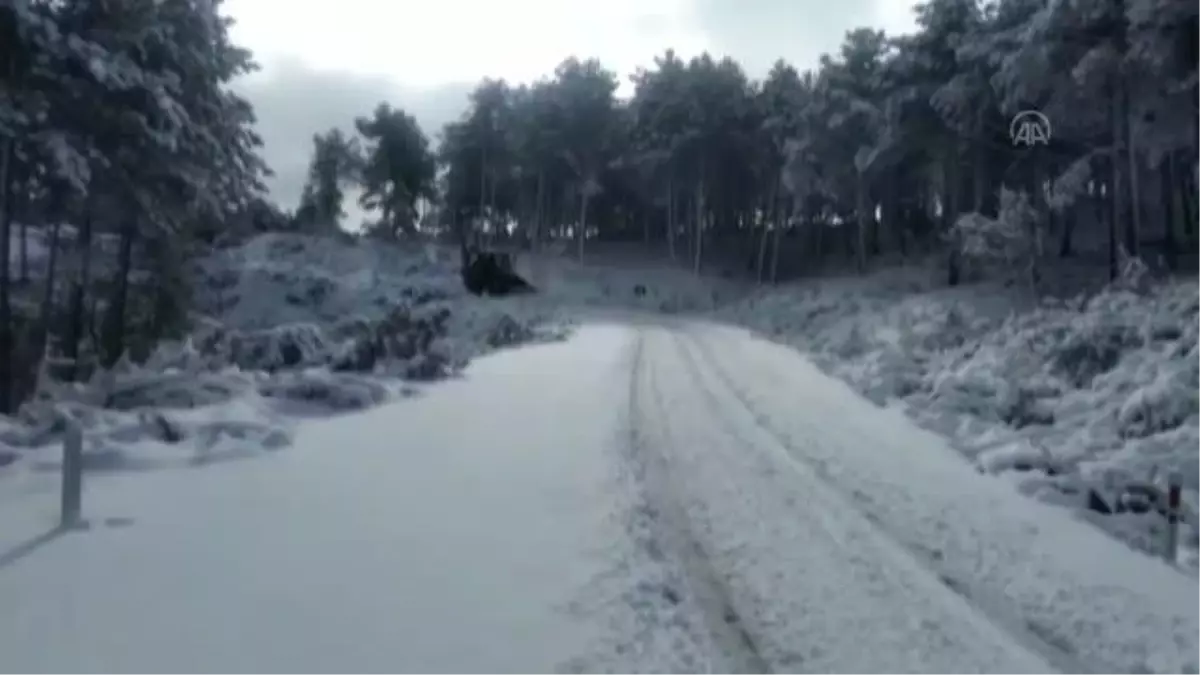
332, 391
1089, 400
1008, 243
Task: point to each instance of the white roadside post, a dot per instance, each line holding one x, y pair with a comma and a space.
1171, 545
72, 475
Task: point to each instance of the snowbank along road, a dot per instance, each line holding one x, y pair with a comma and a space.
650, 495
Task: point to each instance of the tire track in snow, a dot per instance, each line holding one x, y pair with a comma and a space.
1057, 654
671, 527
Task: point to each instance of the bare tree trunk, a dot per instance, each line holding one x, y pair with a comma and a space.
1069, 217
114, 320
539, 210
1187, 202
1134, 231
22, 203
77, 310
482, 182
950, 212
980, 167
1116, 185
7, 330
860, 212
770, 206
39, 334
1167, 182
493, 227
698, 216
671, 215
583, 209
1194, 63
777, 238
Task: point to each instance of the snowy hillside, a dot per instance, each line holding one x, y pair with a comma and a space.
284, 326
1088, 403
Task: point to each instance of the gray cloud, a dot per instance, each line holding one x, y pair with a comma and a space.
293, 102
758, 32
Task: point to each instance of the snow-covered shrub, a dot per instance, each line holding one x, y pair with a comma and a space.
507, 331
1082, 400
404, 335
286, 346
1092, 343
1010, 242
333, 391
149, 390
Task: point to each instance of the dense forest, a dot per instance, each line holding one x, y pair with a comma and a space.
118, 118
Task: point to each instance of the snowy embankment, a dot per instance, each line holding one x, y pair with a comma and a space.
1088, 403
285, 326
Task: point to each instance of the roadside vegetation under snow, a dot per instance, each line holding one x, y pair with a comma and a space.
283, 326
1088, 402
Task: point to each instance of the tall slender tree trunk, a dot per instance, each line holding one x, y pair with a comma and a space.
1116, 185
20, 209
7, 329
860, 213
1194, 64
493, 227
41, 337
1166, 183
539, 210
671, 214
1069, 216
583, 210
979, 191
777, 234
1134, 231
114, 320
950, 212
770, 206
77, 310
1187, 200
483, 163
698, 216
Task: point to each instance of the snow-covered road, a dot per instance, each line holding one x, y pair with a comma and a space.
651, 495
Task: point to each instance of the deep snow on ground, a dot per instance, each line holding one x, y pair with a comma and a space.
1090, 400
904, 511
397, 539
693, 508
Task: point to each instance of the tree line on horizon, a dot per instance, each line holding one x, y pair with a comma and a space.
118, 118
892, 145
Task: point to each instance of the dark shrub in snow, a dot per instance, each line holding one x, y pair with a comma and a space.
491, 274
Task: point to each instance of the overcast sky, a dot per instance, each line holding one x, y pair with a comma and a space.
325, 63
